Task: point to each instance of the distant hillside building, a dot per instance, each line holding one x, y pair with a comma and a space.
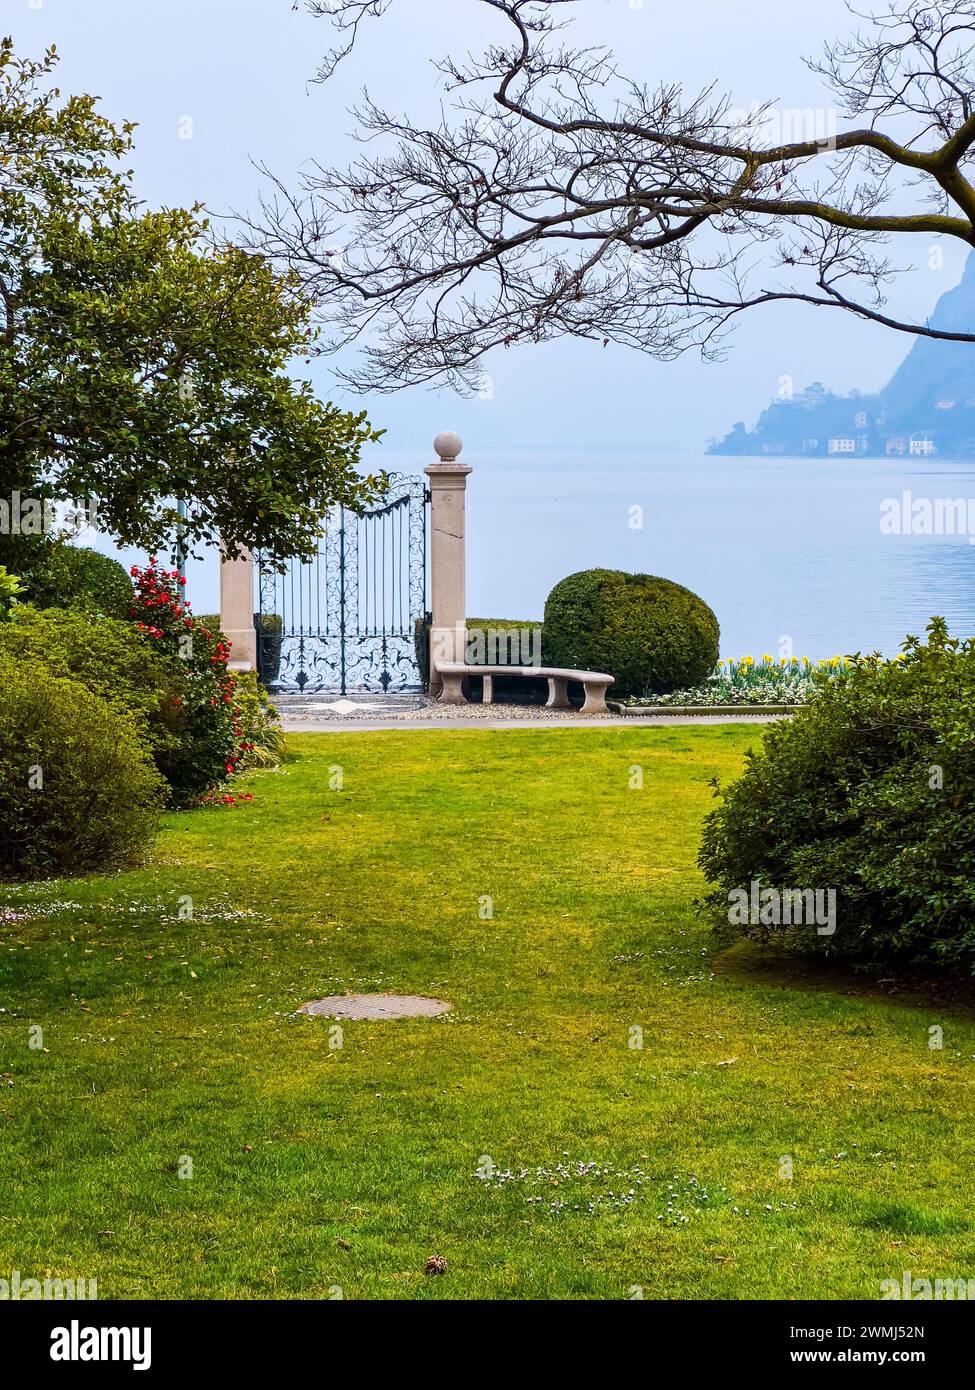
812, 397
927, 408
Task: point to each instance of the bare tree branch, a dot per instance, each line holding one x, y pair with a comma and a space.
553, 196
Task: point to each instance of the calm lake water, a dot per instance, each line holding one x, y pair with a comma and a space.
778, 547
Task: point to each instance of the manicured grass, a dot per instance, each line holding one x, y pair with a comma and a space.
315, 1168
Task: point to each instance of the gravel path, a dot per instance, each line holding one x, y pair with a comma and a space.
364, 713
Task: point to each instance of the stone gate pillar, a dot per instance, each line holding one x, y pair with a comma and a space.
448, 481
237, 609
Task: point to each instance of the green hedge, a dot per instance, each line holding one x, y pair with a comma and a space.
77, 787
868, 793
503, 624
486, 625
510, 687
651, 635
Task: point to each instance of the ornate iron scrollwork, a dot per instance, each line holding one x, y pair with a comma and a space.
345, 620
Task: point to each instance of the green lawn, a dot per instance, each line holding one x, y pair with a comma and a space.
316, 1168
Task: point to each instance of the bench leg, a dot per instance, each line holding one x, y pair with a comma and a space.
595, 701
487, 695
558, 693
453, 688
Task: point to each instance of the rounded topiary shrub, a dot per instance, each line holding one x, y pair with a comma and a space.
97, 583
851, 833
652, 635
57, 575
78, 790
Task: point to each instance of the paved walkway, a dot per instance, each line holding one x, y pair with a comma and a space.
361, 726
366, 713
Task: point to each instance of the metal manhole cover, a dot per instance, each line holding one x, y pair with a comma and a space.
376, 1006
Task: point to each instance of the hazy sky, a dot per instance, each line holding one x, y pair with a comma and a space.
241, 71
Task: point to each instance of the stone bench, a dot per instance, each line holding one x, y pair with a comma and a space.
595, 683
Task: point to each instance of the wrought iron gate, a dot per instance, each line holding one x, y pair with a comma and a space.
348, 619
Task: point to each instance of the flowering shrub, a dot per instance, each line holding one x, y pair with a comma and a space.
209, 732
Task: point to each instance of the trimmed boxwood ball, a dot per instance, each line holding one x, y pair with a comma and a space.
652, 635
57, 575
78, 790
97, 583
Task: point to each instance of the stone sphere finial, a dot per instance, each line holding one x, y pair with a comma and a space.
448, 445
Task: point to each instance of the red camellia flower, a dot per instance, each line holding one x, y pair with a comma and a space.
215, 740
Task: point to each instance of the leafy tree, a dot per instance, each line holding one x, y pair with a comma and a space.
554, 196
141, 358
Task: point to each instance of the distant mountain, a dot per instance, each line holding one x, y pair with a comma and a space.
935, 373
927, 407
